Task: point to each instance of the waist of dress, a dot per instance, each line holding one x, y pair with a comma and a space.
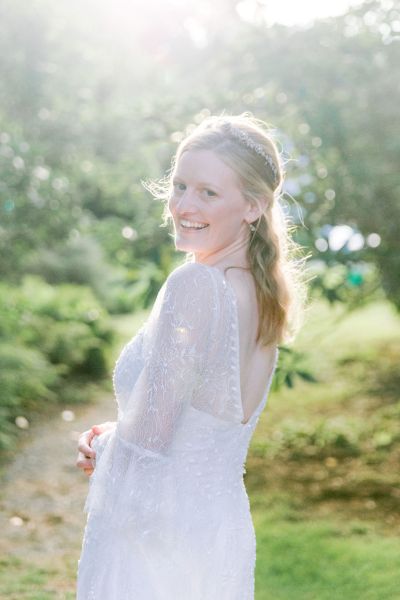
210, 471
209, 486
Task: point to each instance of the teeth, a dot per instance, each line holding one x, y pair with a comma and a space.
192, 224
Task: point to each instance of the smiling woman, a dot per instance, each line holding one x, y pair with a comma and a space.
168, 513
222, 196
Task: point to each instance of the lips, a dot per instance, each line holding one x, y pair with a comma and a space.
186, 227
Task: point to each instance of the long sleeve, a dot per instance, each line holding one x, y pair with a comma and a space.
175, 347
133, 480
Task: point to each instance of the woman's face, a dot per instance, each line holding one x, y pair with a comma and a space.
206, 193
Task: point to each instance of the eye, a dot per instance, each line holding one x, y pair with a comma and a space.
210, 193
177, 188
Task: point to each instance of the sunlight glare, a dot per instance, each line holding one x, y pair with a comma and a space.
290, 12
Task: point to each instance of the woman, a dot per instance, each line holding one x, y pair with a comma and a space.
168, 513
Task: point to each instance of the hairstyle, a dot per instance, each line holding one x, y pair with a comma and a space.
275, 259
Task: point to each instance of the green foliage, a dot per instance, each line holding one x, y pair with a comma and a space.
339, 109
72, 344
291, 365
83, 121
38, 207
28, 382
49, 336
351, 283
79, 260
338, 437
351, 410
65, 321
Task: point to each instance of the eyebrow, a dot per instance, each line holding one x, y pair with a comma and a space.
208, 184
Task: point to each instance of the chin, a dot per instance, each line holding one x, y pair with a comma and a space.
184, 246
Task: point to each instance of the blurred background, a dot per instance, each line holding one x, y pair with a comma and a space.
94, 99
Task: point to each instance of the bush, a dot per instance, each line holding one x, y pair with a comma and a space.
49, 337
27, 383
66, 323
327, 437
80, 260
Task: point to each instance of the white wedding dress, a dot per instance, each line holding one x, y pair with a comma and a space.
168, 513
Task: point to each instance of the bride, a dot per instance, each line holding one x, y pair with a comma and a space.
168, 515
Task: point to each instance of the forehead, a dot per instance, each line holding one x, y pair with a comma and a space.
205, 165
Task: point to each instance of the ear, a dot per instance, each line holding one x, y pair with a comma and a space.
253, 213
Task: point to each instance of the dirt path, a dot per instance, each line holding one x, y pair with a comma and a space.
43, 492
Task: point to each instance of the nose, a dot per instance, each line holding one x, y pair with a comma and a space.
186, 201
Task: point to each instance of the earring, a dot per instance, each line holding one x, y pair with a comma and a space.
252, 228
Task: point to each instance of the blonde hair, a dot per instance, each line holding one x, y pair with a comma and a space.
275, 259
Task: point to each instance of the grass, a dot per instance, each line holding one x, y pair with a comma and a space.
25, 580
323, 559
328, 522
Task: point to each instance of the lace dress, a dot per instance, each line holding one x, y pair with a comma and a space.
168, 515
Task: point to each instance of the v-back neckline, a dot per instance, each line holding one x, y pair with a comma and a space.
238, 372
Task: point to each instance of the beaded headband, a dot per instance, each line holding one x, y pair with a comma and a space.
247, 141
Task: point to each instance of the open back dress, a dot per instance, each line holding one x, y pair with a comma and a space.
168, 515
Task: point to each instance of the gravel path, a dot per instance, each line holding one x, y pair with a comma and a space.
42, 492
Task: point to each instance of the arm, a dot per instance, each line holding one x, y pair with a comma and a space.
175, 347
131, 479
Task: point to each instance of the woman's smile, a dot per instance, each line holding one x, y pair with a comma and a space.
186, 225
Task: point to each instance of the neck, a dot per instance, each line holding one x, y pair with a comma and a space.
233, 255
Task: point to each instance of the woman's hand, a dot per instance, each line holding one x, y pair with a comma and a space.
85, 451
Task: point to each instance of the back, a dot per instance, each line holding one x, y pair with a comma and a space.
256, 361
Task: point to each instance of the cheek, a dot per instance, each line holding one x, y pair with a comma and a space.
218, 212
226, 217
171, 205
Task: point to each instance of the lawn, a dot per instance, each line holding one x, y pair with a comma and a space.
323, 468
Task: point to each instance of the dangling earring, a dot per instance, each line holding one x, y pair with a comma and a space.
252, 228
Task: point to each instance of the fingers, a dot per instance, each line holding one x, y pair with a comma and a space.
84, 444
85, 452
82, 462
97, 429
85, 464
